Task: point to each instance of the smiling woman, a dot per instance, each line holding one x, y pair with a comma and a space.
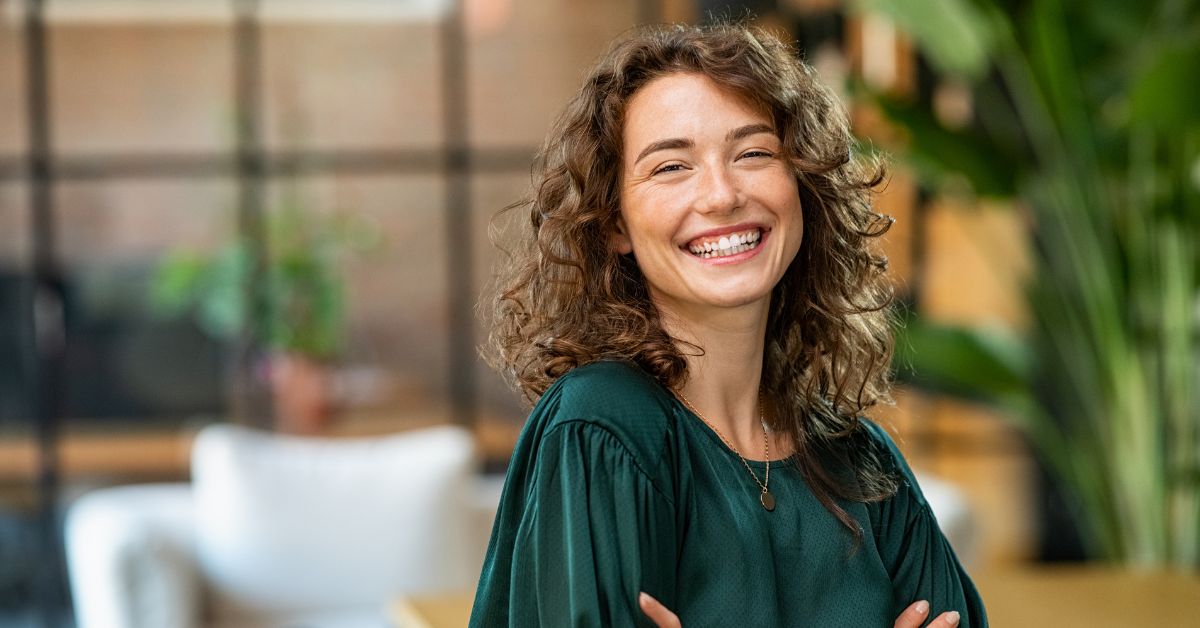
712, 215
701, 321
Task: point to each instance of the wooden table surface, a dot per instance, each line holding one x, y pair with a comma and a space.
1089, 597
1057, 597
433, 611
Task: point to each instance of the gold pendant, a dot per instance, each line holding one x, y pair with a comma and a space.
768, 500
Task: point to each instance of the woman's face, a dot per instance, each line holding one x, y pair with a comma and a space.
709, 207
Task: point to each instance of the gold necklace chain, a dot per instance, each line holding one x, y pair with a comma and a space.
766, 498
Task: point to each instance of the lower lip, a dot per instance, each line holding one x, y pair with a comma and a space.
731, 259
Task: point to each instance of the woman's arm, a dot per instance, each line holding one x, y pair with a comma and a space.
912, 617
592, 532
917, 555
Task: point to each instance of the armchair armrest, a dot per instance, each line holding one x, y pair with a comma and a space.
130, 558
953, 513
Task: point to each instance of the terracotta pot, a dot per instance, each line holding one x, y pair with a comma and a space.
303, 394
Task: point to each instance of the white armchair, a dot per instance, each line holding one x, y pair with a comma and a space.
280, 531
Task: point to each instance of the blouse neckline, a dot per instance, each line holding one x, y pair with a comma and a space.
692, 417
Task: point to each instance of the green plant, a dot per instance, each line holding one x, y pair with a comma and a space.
1087, 116
304, 311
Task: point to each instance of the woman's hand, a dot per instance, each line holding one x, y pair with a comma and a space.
657, 613
914, 615
910, 618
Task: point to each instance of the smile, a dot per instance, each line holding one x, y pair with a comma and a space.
725, 245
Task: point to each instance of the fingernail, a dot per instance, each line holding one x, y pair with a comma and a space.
922, 607
643, 597
952, 617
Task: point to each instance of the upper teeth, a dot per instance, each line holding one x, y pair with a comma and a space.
726, 245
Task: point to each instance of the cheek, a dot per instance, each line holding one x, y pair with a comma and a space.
799, 229
789, 209
644, 226
796, 223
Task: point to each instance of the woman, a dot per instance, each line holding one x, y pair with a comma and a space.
701, 322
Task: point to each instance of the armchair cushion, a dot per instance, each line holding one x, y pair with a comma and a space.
288, 525
130, 554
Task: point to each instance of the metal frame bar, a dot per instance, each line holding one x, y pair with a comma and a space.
457, 168
251, 403
272, 163
44, 336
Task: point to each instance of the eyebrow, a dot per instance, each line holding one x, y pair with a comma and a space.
675, 142
748, 130
741, 132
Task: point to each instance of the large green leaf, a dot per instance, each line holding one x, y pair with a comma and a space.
1165, 96
984, 364
1053, 61
939, 154
954, 34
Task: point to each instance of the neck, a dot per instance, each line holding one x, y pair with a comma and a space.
724, 380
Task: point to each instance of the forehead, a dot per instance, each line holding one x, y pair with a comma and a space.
687, 105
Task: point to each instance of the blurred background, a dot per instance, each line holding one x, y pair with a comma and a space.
275, 215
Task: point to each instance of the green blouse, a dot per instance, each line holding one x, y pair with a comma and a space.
615, 488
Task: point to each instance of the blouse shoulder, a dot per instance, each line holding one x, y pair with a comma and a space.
894, 461
617, 397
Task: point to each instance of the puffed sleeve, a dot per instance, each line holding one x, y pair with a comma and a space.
916, 554
591, 532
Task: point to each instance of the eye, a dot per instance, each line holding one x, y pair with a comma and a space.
759, 153
667, 168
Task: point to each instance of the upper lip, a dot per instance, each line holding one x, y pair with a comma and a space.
720, 231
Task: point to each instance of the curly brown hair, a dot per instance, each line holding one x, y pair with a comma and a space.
565, 297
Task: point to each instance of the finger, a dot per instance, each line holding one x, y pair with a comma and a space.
659, 614
948, 619
913, 616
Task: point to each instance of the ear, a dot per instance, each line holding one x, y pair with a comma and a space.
619, 240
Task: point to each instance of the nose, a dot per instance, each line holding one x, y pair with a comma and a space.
719, 191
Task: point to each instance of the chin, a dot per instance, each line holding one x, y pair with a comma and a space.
734, 300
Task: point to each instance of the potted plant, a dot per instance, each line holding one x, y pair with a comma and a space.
1085, 120
301, 322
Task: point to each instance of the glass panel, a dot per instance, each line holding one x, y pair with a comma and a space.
143, 11
15, 400
491, 193
525, 63
13, 134
123, 86
502, 410
353, 10
19, 529
352, 85
128, 361
14, 225
14, 264
389, 258
18, 454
